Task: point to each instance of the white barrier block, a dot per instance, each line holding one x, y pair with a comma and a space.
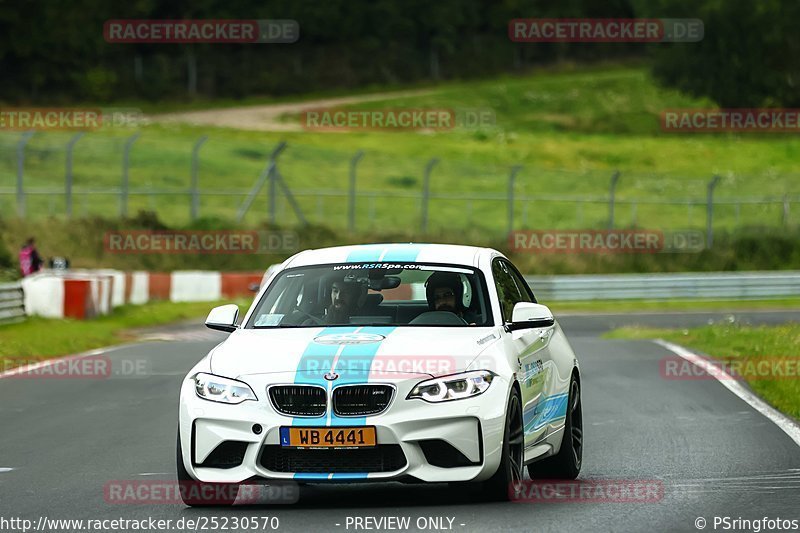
44, 295
140, 288
195, 286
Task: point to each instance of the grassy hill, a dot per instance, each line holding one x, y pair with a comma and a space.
569, 129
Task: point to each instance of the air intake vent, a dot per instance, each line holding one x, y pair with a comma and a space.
381, 458
228, 454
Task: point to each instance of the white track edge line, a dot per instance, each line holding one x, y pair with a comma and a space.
786, 424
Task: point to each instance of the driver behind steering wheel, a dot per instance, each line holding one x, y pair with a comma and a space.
346, 297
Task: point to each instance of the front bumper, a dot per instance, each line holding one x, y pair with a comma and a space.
474, 427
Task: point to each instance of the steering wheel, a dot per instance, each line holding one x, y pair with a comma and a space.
438, 318
309, 316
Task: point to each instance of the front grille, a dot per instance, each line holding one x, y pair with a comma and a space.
381, 458
361, 400
298, 400
228, 454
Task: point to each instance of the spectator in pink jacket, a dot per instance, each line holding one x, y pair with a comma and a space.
29, 260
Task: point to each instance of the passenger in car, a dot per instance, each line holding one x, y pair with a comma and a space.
445, 292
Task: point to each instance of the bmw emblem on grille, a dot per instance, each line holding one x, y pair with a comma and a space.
330, 376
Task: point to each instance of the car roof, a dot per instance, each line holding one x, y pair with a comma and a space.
392, 253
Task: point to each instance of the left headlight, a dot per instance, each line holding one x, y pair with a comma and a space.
219, 389
455, 387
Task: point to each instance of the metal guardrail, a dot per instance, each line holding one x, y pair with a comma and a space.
12, 302
722, 285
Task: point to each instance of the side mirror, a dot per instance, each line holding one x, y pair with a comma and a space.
223, 318
530, 315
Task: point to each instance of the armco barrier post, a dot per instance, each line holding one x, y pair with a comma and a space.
68, 173
123, 193
351, 210
195, 206
426, 182
511, 179
710, 211
611, 196
20, 172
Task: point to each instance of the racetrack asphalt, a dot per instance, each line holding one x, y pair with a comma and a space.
63, 440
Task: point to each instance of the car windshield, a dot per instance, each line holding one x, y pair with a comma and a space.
369, 294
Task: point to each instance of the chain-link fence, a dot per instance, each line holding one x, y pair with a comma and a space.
120, 173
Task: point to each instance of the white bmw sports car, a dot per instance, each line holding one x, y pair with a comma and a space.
384, 362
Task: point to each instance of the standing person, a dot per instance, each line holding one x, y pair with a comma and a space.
29, 260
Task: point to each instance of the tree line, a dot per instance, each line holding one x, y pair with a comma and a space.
56, 53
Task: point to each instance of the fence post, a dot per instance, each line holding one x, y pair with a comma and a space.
511, 179
351, 214
611, 196
272, 192
123, 197
710, 211
20, 171
195, 208
785, 210
68, 173
426, 181
259, 184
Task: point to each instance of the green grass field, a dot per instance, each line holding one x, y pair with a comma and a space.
737, 342
676, 306
42, 337
569, 129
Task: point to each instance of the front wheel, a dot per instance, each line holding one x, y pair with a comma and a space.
566, 464
199, 494
501, 486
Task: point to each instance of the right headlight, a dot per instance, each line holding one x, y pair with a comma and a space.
454, 387
223, 390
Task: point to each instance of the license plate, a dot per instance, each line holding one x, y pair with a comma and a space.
328, 437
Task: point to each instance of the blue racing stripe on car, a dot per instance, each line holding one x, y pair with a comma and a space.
312, 368
402, 252
545, 411
350, 475
309, 373
353, 367
368, 252
382, 252
310, 476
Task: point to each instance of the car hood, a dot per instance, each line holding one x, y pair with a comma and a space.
374, 351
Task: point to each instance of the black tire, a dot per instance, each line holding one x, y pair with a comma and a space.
566, 464
500, 487
191, 490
